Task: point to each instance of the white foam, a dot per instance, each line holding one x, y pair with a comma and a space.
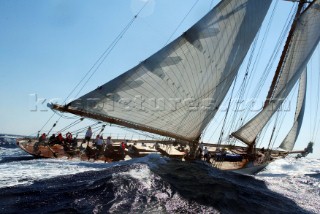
26, 172
288, 177
142, 174
292, 166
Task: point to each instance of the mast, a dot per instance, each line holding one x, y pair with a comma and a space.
300, 46
284, 53
280, 64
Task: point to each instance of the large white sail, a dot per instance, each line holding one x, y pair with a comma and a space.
305, 39
288, 143
177, 91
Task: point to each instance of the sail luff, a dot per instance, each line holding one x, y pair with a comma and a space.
305, 39
288, 143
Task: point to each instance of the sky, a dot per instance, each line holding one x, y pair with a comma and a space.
46, 48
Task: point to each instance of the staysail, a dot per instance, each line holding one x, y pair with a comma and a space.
178, 90
304, 41
288, 143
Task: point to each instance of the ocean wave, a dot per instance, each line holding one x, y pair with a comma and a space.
6, 142
15, 158
291, 166
297, 179
152, 184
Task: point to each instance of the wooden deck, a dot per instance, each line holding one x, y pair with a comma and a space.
170, 151
135, 149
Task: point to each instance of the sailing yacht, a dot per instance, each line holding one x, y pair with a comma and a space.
177, 91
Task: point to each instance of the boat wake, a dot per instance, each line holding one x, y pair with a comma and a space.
152, 184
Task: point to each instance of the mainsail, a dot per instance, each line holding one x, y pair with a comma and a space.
288, 143
304, 41
178, 90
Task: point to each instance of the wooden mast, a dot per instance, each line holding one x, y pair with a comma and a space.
284, 53
276, 76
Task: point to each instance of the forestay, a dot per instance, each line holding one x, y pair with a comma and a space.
179, 89
305, 40
288, 143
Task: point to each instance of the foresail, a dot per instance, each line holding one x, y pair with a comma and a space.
288, 143
305, 40
179, 89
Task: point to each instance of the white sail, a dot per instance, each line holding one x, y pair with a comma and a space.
288, 143
179, 89
305, 39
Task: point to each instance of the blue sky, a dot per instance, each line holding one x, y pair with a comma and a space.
46, 47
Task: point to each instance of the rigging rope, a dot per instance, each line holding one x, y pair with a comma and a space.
281, 116
228, 109
181, 22
52, 128
317, 107
72, 124
269, 66
272, 59
242, 87
85, 128
244, 84
219, 123
46, 122
311, 96
98, 63
106, 53
318, 98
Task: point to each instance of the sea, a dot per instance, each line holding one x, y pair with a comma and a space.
152, 184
